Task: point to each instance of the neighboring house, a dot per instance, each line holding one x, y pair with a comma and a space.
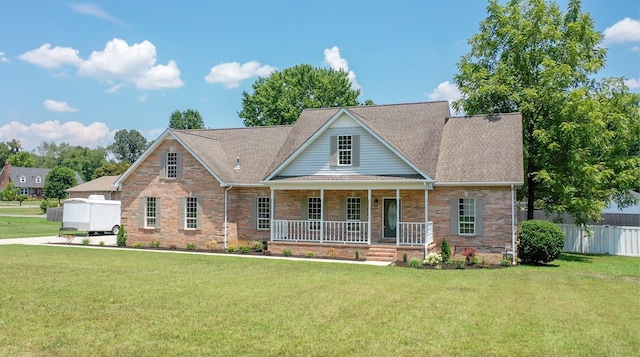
402, 176
100, 186
28, 180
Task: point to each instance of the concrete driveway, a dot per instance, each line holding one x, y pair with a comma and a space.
95, 240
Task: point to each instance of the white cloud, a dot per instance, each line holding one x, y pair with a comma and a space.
48, 57
635, 48
446, 91
91, 9
143, 98
3, 59
625, 30
334, 60
72, 132
55, 106
632, 83
232, 73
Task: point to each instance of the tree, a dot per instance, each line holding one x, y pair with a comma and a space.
110, 169
532, 58
280, 98
128, 145
58, 180
22, 159
189, 119
84, 161
14, 146
4, 153
50, 154
9, 193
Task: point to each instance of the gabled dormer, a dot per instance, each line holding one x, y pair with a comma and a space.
23, 178
38, 179
345, 145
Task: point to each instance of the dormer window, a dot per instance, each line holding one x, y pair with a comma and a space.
23, 178
344, 150
38, 179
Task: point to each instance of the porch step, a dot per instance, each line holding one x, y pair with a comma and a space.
381, 254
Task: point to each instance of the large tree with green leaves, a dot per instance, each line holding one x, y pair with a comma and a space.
280, 98
110, 169
128, 145
58, 180
84, 161
189, 119
578, 133
22, 159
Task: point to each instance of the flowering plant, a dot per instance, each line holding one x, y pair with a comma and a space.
433, 259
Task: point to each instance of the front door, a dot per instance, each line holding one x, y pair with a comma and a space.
391, 217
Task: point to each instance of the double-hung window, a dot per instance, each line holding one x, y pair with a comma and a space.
466, 216
353, 207
345, 150
24, 191
151, 212
172, 165
191, 213
38, 179
23, 179
314, 212
264, 212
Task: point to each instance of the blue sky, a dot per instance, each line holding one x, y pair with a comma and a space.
78, 71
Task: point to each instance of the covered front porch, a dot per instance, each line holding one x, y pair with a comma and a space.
388, 213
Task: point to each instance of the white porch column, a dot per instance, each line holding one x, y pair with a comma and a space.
369, 217
398, 216
321, 215
272, 213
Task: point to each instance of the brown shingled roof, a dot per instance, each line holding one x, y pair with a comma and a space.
219, 148
414, 129
482, 148
104, 183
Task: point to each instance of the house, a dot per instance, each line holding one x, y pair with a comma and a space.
395, 177
100, 186
28, 180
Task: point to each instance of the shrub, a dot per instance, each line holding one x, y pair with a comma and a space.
470, 255
244, 249
540, 241
357, 254
231, 249
101, 243
310, 255
154, 244
460, 263
86, 241
404, 257
414, 263
256, 246
287, 252
433, 259
212, 244
505, 262
191, 246
445, 250
137, 245
46, 204
121, 240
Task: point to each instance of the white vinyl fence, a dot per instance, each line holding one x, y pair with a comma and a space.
613, 240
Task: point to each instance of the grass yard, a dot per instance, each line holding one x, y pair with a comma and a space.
21, 227
61, 301
25, 210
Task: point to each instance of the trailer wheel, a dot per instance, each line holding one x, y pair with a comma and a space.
115, 229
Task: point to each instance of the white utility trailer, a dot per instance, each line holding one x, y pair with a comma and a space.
93, 215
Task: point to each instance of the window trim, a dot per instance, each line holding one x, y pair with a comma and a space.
347, 153
23, 179
315, 211
171, 163
191, 208
465, 206
25, 190
353, 213
147, 216
263, 217
38, 179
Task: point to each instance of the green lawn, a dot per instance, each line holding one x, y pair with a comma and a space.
59, 301
21, 227
25, 210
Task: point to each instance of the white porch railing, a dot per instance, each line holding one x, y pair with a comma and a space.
345, 232
410, 233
